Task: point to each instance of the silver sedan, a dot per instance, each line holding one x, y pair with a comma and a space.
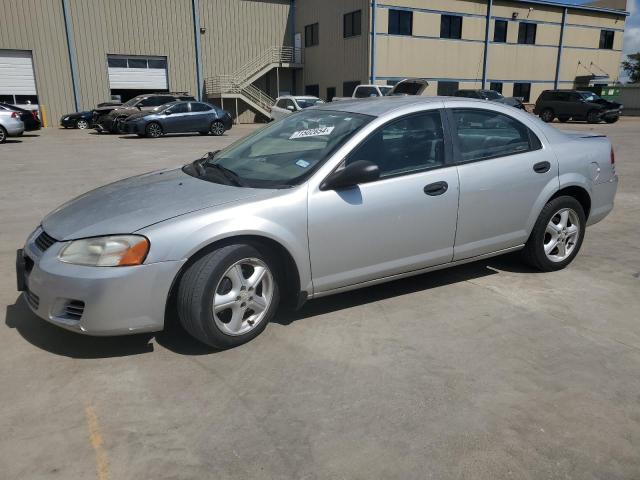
329, 199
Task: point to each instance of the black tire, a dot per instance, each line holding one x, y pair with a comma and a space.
533, 252
3, 134
564, 119
153, 130
547, 115
217, 128
196, 290
593, 117
611, 119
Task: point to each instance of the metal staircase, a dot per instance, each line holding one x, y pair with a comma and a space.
239, 84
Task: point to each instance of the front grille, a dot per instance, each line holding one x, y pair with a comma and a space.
32, 299
44, 241
74, 309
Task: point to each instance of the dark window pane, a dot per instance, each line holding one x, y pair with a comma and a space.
311, 35
407, 145
157, 63
447, 88
606, 39
200, 107
348, 88
137, 62
496, 86
483, 134
450, 26
400, 22
527, 33
313, 90
179, 108
500, 31
117, 62
366, 92
6, 98
27, 99
522, 90
351, 24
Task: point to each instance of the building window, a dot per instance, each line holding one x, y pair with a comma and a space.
311, 35
331, 92
352, 25
447, 89
522, 90
527, 33
349, 87
312, 90
500, 31
496, 86
606, 39
450, 26
400, 22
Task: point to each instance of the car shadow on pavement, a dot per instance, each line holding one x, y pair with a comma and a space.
69, 344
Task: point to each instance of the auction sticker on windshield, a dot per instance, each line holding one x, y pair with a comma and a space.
312, 132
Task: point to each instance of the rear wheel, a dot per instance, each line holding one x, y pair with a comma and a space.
227, 297
153, 130
547, 115
217, 128
82, 124
557, 235
3, 134
593, 117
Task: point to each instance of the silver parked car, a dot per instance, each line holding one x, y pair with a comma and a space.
333, 198
11, 125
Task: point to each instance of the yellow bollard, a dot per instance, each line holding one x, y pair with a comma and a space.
43, 114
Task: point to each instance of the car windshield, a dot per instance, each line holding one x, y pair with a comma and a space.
308, 102
384, 90
130, 103
492, 95
590, 97
284, 153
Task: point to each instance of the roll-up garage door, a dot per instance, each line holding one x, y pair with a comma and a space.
17, 81
137, 73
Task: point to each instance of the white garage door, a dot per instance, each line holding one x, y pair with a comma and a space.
137, 73
16, 73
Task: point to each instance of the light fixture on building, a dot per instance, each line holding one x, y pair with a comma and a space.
514, 16
203, 30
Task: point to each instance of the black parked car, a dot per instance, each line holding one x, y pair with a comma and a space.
110, 117
28, 117
179, 117
577, 105
81, 120
490, 95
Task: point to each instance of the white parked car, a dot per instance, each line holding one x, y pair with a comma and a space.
289, 104
366, 91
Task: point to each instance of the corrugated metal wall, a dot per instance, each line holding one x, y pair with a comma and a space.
38, 26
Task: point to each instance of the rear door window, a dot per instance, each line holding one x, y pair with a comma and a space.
200, 107
484, 134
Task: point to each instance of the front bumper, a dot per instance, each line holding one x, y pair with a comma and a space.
614, 113
105, 123
95, 300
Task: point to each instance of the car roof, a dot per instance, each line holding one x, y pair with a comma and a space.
301, 97
378, 105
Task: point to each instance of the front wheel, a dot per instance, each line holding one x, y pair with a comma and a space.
557, 235
593, 117
217, 128
547, 115
227, 297
82, 124
611, 119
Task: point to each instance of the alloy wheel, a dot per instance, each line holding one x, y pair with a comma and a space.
154, 130
82, 124
561, 235
243, 296
217, 128
3, 135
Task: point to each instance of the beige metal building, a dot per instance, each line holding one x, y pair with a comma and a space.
69, 55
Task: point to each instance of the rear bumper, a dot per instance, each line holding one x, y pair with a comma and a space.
14, 128
602, 200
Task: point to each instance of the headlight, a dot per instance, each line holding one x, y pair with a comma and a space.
111, 251
66, 118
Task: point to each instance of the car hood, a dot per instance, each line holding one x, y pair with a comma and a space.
606, 103
137, 202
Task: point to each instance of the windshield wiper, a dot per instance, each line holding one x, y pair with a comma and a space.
230, 175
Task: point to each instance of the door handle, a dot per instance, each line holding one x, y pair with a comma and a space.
542, 167
437, 188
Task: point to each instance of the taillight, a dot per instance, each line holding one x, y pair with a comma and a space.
15, 115
35, 114
613, 157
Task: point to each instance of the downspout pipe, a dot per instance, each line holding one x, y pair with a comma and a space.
487, 32
195, 8
374, 7
73, 59
556, 82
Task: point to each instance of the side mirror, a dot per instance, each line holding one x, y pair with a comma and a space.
360, 171
291, 108
168, 112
